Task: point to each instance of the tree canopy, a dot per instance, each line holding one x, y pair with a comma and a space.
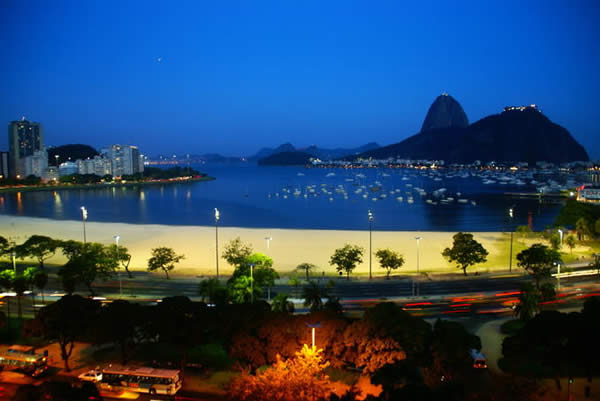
163, 258
538, 261
346, 259
465, 251
389, 260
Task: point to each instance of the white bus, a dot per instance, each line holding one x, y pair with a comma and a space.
478, 360
141, 379
23, 359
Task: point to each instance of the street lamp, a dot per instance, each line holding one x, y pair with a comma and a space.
313, 326
56, 158
557, 264
251, 283
560, 233
511, 215
268, 239
116, 237
217, 217
84, 216
370, 243
416, 283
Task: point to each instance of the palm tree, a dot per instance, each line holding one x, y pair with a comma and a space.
528, 302
281, 304
307, 267
313, 296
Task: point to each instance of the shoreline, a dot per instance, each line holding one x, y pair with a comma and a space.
60, 187
288, 247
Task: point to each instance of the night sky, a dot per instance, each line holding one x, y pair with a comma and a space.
231, 77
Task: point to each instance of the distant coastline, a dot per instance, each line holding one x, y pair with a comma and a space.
33, 188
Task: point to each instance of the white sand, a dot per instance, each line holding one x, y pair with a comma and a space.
288, 247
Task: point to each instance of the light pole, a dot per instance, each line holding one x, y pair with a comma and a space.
84, 216
116, 237
268, 239
251, 283
419, 238
370, 243
56, 158
557, 264
560, 234
313, 326
217, 217
511, 215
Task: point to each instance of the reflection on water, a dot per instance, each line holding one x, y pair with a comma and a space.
276, 197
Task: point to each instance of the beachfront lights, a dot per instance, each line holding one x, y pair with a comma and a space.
217, 214
84, 213
370, 216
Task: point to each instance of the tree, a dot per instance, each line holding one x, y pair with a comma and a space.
295, 282
36, 278
68, 320
301, 378
597, 227
583, 228
121, 255
4, 246
39, 247
20, 285
346, 258
241, 290
236, 252
595, 264
6, 281
87, 262
523, 231
164, 259
538, 260
529, 300
389, 260
465, 251
259, 266
307, 267
313, 296
570, 241
213, 291
119, 322
555, 241
281, 304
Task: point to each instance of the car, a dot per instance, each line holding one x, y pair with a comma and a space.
91, 376
40, 371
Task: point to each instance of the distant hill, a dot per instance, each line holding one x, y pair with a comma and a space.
70, 152
517, 134
321, 153
286, 159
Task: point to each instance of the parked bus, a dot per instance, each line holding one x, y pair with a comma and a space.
23, 359
141, 379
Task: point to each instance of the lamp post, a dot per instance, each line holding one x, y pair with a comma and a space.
56, 158
84, 216
268, 239
560, 234
116, 237
251, 283
416, 285
557, 264
313, 326
217, 217
370, 243
511, 215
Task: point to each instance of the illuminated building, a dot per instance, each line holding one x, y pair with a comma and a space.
24, 138
125, 159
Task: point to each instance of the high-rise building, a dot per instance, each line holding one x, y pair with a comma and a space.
125, 159
4, 172
24, 138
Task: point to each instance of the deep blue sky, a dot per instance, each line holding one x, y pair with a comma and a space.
237, 76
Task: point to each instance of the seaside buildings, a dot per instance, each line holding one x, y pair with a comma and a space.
97, 166
125, 159
3, 165
24, 138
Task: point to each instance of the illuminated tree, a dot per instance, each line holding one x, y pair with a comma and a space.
236, 252
346, 258
164, 259
39, 247
87, 262
583, 228
121, 255
538, 260
465, 251
389, 260
297, 379
281, 304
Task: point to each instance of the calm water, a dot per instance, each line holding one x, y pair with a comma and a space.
251, 196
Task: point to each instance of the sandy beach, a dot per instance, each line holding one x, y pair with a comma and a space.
288, 248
